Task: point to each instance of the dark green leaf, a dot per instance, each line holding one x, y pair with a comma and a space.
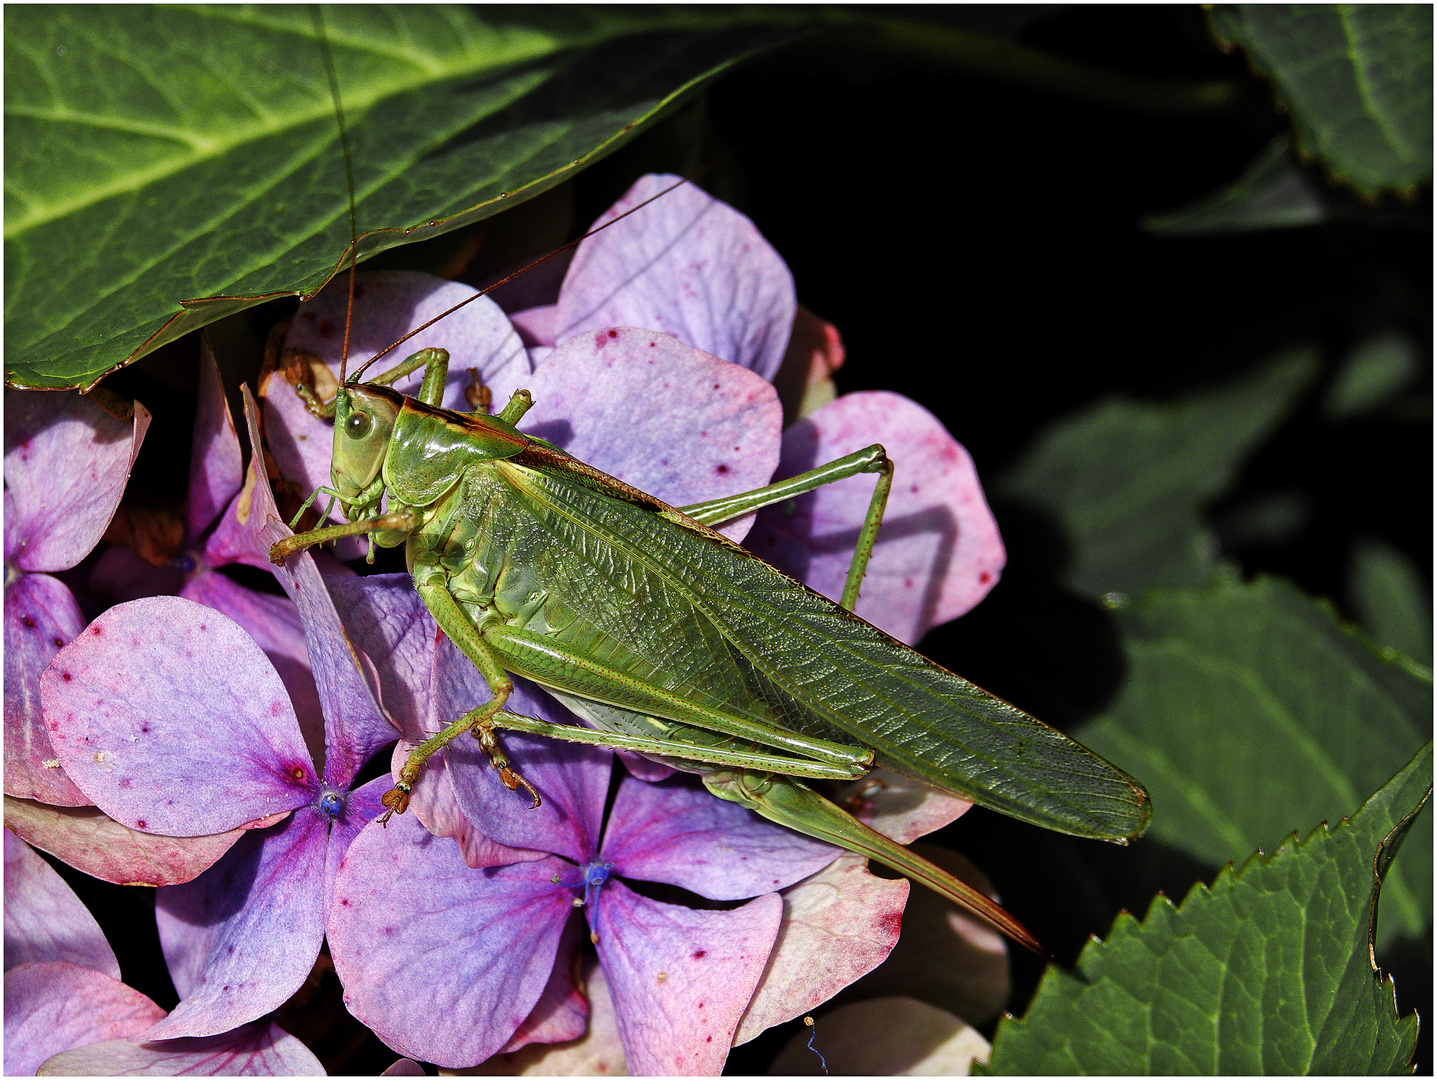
1266, 972
1356, 78
1248, 711
1274, 193
162, 154
1127, 481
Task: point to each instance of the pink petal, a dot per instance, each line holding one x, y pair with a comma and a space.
387, 306
945, 956
385, 619
243, 936
669, 419
66, 463
41, 615
939, 551
170, 717
900, 807
681, 978
837, 925
676, 832
89, 840
411, 925
53, 1007
259, 1049
216, 460
44, 919
686, 265
536, 324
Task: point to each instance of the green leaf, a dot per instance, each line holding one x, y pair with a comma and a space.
1266, 972
1248, 711
1127, 481
1376, 371
1274, 193
1357, 80
164, 154
1391, 599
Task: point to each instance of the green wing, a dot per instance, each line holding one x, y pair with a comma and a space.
740, 630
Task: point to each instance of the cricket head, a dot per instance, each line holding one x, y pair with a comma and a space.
363, 423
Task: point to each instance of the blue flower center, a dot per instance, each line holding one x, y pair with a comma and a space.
330, 802
591, 879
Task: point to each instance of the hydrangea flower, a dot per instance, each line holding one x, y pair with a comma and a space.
66, 1008
173, 720
487, 940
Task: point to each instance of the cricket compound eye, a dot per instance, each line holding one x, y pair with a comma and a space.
358, 424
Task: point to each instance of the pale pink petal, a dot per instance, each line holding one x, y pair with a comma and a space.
687, 265
54, 1006
216, 459
45, 920
259, 1049
89, 840
837, 925
41, 616
938, 552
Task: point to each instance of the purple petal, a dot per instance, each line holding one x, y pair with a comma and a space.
668, 419
681, 978
89, 840
439, 808
242, 937
53, 1007
837, 925
348, 683
41, 615
572, 780
411, 925
686, 265
939, 551
675, 831
385, 618
259, 1049
44, 919
66, 463
172, 720
387, 306
361, 806
273, 622
903, 808
216, 460
562, 1011
597, 1052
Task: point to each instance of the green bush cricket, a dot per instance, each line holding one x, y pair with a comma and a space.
749, 729
478, 506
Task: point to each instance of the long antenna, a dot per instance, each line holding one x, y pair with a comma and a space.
323, 40
522, 270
